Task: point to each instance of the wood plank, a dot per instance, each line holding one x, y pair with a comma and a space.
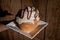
6, 5
41, 5
25, 3
17, 36
14, 5
4, 35
53, 19
13, 35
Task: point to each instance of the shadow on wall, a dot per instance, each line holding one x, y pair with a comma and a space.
4, 13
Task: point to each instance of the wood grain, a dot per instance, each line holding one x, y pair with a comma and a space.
49, 12
52, 17
4, 35
42, 7
12, 7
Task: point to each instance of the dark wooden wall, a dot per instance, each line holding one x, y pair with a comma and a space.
49, 12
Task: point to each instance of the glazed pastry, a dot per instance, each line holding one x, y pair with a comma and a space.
28, 19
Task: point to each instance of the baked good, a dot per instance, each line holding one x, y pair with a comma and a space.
28, 19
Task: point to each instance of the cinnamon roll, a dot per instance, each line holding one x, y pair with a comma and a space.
28, 19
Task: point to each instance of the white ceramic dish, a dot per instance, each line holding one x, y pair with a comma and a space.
40, 26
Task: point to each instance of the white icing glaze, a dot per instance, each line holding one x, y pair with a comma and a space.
19, 20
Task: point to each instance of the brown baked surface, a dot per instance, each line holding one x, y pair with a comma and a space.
28, 26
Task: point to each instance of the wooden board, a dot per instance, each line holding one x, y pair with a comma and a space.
12, 6
53, 19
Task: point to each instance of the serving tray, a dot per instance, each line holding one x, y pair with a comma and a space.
39, 27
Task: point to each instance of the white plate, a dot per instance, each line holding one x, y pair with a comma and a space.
40, 26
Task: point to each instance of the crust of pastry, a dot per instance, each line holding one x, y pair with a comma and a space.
28, 26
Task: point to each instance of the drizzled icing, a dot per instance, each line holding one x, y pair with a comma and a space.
28, 15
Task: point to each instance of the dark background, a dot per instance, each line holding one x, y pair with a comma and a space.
49, 12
